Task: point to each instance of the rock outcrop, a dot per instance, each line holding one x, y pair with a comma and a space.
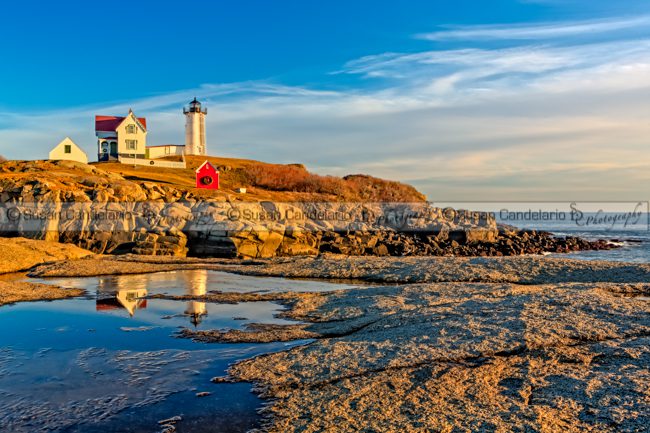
459, 357
20, 254
105, 213
24, 291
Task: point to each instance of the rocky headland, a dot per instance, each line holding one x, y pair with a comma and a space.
466, 326
116, 209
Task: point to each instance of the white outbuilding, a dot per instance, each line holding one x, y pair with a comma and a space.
164, 150
67, 150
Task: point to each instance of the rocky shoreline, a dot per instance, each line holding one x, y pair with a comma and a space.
507, 242
520, 343
106, 213
528, 345
24, 291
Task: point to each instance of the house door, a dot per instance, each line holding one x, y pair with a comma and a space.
113, 151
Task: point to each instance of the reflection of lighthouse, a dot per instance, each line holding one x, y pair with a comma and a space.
197, 286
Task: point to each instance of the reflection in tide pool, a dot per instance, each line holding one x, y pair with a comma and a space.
128, 299
129, 292
110, 362
196, 309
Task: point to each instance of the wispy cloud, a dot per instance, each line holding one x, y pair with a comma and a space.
535, 31
472, 64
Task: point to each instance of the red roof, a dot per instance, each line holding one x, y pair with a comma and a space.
110, 123
206, 167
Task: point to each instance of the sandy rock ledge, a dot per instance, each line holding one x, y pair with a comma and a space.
544, 356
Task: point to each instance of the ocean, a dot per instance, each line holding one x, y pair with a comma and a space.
633, 237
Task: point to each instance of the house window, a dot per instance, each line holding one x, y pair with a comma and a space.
67, 148
130, 129
131, 144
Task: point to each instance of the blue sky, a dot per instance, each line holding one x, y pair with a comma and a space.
468, 100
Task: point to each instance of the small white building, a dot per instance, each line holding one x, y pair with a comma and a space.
68, 150
163, 150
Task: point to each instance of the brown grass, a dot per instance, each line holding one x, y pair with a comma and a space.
263, 181
279, 182
296, 178
292, 178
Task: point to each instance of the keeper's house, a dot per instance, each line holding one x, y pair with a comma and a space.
118, 137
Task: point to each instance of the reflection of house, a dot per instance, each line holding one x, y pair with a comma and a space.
121, 292
130, 300
197, 285
67, 150
120, 137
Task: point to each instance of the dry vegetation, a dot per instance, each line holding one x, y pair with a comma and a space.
263, 181
296, 178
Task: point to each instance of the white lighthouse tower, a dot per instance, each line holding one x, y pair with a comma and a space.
195, 128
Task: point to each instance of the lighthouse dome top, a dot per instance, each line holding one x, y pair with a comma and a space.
195, 107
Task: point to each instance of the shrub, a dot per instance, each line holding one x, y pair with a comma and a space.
373, 189
295, 178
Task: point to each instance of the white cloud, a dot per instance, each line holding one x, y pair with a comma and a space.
536, 31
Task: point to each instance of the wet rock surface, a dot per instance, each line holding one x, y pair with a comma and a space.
535, 345
253, 333
18, 291
522, 270
469, 242
522, 344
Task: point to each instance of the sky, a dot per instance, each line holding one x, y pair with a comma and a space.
466, 100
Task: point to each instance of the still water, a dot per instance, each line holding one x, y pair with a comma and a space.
109, 361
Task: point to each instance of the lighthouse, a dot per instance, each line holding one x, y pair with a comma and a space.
195, 128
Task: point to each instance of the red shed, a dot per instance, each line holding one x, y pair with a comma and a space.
207, 177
